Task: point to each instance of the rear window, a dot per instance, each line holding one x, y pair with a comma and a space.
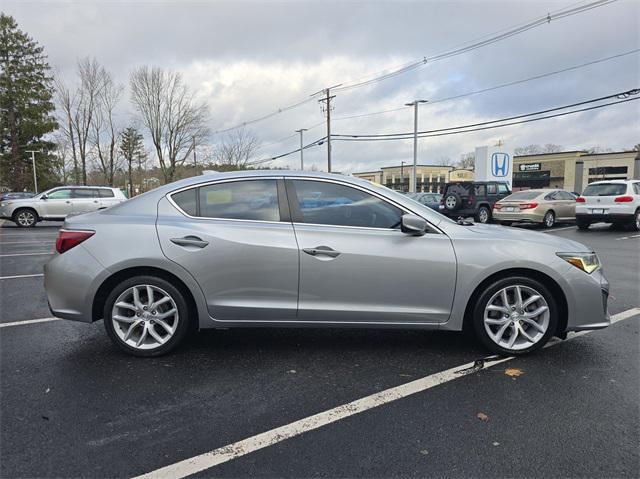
605, 189
523, 195
104, 193
460, 188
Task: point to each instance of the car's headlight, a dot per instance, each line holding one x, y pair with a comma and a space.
5, 203
587, 262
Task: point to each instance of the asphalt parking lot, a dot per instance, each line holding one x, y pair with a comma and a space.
72, 405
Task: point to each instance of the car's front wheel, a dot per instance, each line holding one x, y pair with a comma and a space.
146, 316
515, 316
25, 218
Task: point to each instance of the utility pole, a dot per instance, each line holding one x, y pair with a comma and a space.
301, 130
327, 109
33, 162
414, 104
402, 175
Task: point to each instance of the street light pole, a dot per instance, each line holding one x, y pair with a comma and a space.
402, 175
301, 130
414, 104
33, 163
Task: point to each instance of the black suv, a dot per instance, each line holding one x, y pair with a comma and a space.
472, 198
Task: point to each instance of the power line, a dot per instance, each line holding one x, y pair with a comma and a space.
622, 98
502, 35
595, 107
624, 94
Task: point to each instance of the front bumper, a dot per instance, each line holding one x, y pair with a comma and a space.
587, 300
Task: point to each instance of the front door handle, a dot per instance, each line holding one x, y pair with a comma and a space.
322, 251
190, 241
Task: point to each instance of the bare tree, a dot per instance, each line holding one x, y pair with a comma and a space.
528, 150
175, 121
552, 148
467, 160
65, 165
445, 161
104, 133
78, 109
236, 149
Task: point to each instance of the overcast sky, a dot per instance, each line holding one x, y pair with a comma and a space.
247, 59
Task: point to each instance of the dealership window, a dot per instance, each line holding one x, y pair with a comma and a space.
326, 203
608, 170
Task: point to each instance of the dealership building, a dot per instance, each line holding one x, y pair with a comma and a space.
568, 170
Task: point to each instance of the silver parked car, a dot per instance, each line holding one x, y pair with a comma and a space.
276, 248
58, 203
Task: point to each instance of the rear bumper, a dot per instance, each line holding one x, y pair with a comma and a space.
606, 218
70, 288
513, 216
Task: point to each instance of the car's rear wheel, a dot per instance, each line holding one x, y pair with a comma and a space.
515, 316
549, 219
483, 215
635, 225
582, 225
146, 316
25, 218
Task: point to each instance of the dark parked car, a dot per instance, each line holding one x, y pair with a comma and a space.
472, 198
432, 200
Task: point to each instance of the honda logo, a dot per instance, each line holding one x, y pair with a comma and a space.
500, 164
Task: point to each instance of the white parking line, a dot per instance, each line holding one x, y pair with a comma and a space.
237, 449
24, 254
22, 276
560, 229
28, 321
27, 242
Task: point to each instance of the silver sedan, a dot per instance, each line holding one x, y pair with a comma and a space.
286, 249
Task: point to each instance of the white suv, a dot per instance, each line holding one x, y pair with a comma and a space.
58, 203
614, 201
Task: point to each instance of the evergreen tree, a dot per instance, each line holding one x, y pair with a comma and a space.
26, 106
131, 148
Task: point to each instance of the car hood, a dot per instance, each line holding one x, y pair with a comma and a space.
19, 200
521, 234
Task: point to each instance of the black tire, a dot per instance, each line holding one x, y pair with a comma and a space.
506, 223
481, 303
483, 215
183, 319
583, 225
549, 219
25, 217
635, 224
454, 203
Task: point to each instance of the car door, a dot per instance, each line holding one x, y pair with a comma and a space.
236, 239
568, 202
356, 266
84, 200
57, 203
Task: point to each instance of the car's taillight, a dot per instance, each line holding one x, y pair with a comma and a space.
528, 206
70, 239
470, 200
580, 199
497, 206
624, 199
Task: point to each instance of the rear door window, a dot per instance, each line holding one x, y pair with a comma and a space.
83, 193
605, 189
240, 200
480, 190
105, 193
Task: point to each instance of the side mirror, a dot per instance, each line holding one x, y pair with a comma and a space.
43, 197
413, 225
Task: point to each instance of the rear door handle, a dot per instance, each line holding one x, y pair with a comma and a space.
190, 241
321, 251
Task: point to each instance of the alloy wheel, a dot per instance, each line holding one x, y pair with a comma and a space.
26, 218
638, 220
450, 202
145, 317
549, 219
483, 215
516, 317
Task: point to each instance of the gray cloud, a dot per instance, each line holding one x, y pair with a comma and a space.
247, 59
